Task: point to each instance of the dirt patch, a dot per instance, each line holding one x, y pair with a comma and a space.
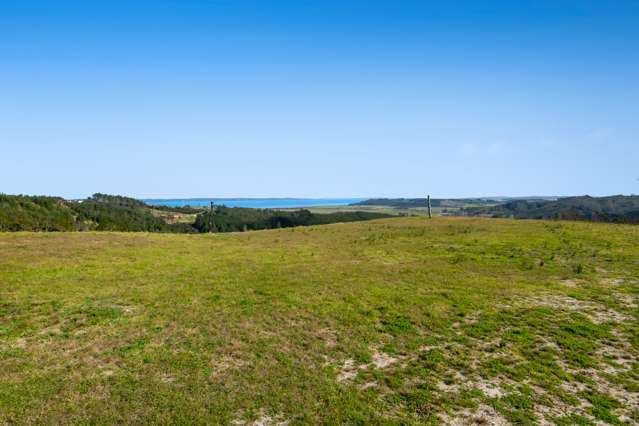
426, 348
167, 378
616, 357
469, 319
367, 385
570, 282
628, 301
629, 400
328, 336
596, 312
613, 281
491, 345
225, 363
382, 360
457, 382
483, 415
125, 309
452, 385
263, 419
573, 387
620, 354
491, 388
348, 371
51, 330
20, 343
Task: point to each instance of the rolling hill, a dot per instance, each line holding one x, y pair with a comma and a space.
393, 321
618, 208
102, 212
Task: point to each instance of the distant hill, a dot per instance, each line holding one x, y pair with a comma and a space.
407, 203
35, 213
102, 212
618, 208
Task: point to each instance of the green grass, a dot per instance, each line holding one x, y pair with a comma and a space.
395, 321
175, 217
410, 211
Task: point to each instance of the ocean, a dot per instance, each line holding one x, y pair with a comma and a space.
258, 203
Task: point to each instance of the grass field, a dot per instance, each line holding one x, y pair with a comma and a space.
395, 321
174, 217
412, 211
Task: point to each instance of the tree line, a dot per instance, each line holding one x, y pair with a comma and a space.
234, 219
616, 209
102, 212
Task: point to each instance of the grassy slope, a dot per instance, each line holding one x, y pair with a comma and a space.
397, 320
414, 211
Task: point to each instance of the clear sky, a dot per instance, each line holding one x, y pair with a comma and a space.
181, 98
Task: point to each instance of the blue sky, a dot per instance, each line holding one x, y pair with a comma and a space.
180, 98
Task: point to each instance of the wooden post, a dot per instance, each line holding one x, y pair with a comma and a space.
211, 218
429, 208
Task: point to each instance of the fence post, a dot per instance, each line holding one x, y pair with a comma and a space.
211, 218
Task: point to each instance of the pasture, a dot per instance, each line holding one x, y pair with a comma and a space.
394, 321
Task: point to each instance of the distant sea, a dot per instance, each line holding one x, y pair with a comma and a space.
258, 203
